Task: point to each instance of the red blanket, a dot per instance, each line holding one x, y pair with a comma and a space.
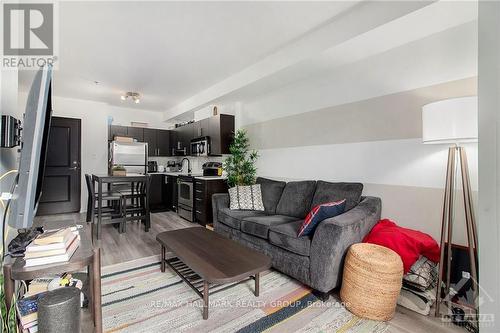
408, 243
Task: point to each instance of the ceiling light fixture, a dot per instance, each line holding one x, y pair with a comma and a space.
136, 97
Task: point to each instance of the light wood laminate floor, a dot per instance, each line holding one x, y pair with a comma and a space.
136, 243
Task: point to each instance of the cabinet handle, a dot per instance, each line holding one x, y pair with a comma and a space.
199, 183
199, 191
198, 199
198, 212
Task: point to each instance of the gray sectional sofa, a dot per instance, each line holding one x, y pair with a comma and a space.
315, 260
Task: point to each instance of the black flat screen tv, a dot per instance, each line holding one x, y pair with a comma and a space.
34, 140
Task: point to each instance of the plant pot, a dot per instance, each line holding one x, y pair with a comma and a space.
119, 172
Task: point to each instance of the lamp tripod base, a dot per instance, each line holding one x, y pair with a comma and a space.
456, 156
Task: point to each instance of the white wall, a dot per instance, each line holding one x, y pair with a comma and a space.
8, 106
94, 122
362, 122
489, 163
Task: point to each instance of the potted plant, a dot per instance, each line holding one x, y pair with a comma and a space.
118, 170
8, 318
240, 165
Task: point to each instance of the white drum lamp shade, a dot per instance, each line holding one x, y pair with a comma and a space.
450, 121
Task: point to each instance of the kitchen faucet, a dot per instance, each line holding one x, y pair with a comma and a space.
189, 164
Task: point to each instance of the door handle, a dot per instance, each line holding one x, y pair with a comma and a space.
73, 168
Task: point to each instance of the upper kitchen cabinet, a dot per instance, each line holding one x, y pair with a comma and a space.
131, 132
116, 130
150, 138
163, 143
201, 128
219, 128
221, 133
183, 136
136, 132
158, 142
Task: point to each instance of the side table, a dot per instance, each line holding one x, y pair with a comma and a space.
86, 256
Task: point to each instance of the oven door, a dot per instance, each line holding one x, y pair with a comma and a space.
185, 193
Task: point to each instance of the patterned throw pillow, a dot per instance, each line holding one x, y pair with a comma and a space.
246, 197
320, 213
423, 274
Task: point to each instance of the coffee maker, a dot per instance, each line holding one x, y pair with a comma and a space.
152, 166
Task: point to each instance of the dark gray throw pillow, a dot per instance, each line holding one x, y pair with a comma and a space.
327, 192
296, 199
271, 193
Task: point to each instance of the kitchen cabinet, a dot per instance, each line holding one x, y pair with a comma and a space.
163, 143
150, 138
131, 132
203, 191
201, 128
173, 142
171, 192
158, 142
221, 133
116, 130
157, 193
162, 193
183, 137
136, 133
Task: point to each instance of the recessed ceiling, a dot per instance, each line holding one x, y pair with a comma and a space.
169, 51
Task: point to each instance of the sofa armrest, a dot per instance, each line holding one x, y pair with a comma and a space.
219, 201
334, 236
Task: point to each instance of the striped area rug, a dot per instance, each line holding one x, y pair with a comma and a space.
137, 297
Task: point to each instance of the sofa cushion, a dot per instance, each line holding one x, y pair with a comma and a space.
285, 236
232, 218
296, 199
320, 213
327, 192
271, 193
259, 225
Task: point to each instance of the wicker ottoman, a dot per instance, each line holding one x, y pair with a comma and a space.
372, 281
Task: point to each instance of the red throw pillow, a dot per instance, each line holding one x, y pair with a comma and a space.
408, 243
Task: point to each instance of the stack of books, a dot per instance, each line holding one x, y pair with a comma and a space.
27, 311
27, 306
52, 247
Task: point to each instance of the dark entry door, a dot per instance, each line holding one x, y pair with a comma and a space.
62, 177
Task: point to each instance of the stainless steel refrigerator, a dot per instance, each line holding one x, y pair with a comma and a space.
132, 156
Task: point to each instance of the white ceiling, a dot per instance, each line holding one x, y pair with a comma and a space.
182, 56
367, 31
170, 51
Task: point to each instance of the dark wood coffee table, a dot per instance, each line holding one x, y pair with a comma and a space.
205, 260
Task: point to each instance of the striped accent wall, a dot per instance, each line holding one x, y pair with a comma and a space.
376, 141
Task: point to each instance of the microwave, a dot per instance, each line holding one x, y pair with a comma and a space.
200, 146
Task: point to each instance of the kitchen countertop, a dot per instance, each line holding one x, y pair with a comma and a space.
210, 177
196, 176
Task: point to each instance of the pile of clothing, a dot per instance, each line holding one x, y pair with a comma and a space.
420, 255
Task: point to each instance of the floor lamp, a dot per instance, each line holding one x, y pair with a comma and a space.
453, 122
